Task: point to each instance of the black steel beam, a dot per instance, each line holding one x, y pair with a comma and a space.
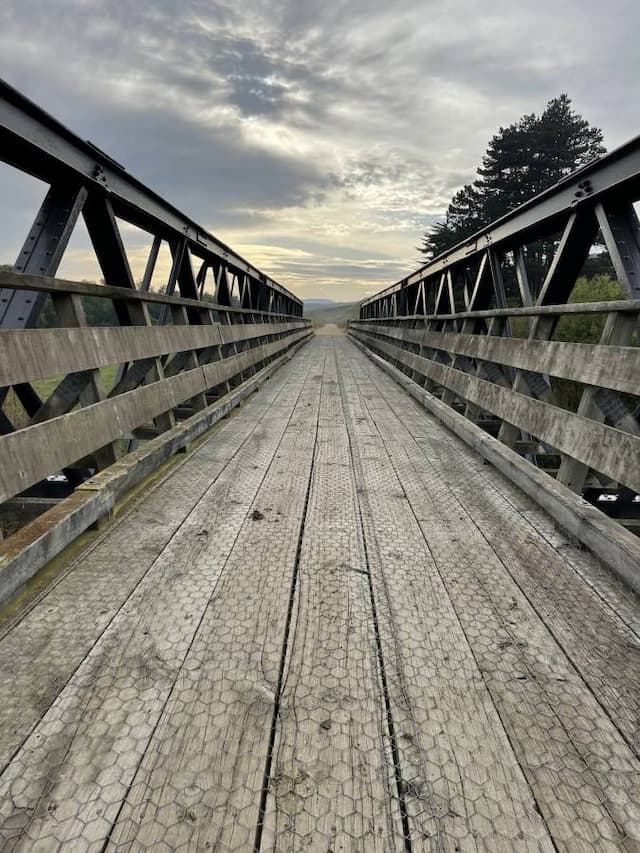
613, 178
36, 143
42, 252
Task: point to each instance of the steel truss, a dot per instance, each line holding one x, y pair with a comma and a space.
85, 182
484, 286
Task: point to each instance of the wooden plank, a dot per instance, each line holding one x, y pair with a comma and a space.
36, 544
67, 781
48, 284
605, 449
70, 312
331, 782
585, 777
40, 652
202, 776
461, 783
48, 447
599, 644
618, 329
28, 354
621, 600
623, 603
622, 305
614, 367
246, 331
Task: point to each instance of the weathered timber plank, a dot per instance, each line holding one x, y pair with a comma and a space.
606, 449
601, 646
625, 306
332, 782
597, 622
48, 284
69, 778
234, 332
461, 783
202, 776
623, 603
585, 777
52, 445
612, 367
40, 652
28, 354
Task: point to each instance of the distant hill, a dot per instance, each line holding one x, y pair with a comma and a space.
323, 311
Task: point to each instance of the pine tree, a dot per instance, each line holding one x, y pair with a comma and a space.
521, 161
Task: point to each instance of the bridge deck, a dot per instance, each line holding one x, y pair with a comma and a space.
331, 628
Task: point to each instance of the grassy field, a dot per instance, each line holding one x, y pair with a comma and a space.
337, 313
45, 387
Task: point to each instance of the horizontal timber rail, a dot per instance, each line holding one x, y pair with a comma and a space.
493, 329
167, 367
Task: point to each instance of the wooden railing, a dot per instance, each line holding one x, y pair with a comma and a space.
163, 373
108, 405
482, 373
535, 408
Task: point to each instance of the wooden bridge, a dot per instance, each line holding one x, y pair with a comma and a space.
270, 590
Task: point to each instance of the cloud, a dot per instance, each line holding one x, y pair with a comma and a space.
340, 129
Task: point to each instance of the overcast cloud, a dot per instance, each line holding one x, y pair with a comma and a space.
319, 139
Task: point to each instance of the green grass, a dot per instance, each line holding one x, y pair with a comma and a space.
45, 387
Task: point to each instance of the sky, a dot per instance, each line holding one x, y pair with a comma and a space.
318, 139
